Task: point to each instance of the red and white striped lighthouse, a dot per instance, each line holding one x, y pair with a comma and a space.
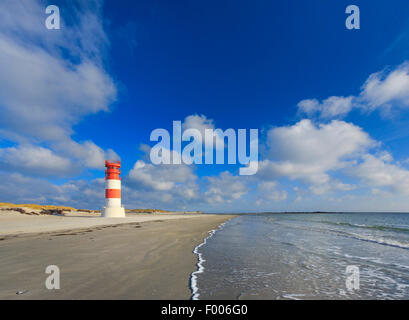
113, 207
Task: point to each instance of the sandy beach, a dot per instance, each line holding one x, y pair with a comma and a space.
144, 256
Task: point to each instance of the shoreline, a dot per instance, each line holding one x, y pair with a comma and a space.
140, 258
193, 278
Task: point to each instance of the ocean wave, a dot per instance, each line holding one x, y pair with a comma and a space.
364, 226
379, 240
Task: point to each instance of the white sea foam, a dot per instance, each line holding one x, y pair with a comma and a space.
381, 240
200, 267
293, 296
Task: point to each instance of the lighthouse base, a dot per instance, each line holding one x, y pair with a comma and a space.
113, 212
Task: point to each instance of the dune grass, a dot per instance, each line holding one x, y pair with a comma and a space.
36, 206
51, 207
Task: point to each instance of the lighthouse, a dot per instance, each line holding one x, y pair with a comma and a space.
113, 207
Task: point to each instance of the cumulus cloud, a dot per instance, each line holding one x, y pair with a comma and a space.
332, 185
381, 172
160, 177
385, 90
87, 154
201, 123
268, 192
315, 154
308, 152
225, 188
36, 160
174, 186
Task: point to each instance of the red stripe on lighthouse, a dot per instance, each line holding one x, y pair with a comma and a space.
112, 176
112, 193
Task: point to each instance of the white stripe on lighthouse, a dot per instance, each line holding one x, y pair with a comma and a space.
112, 184
112, 202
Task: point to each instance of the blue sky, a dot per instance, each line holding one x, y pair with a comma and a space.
331, 104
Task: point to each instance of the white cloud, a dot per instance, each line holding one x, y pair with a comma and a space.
37, 160
43, 96
51, 79
170, 186
308, 152
267, 192
77, 193
329, 108
385, 90
201, 123
330, 186
225, 188
81, 33
380, 172
177, 186
43, 93
160, 177
87, 154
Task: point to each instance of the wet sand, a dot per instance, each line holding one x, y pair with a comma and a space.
145, 257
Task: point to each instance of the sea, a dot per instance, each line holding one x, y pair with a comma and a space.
305, 256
